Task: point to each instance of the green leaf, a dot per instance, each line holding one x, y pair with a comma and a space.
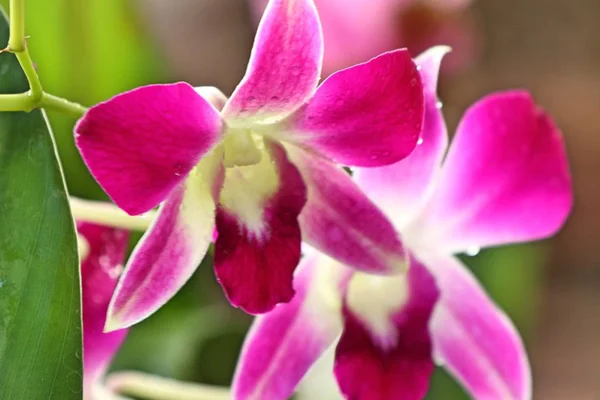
40, 320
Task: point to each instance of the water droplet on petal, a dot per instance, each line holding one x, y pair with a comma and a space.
472, 251
178, 169
439, 104
420, 141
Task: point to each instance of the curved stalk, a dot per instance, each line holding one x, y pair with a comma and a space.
107, 214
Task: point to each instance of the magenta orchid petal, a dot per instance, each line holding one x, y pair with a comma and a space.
344, 29
401, 189
171, 248
384, 353
339, 220
100, 270
473, 339
368, 115
505, 179
258, 243
141, 144
284, 343
285, 65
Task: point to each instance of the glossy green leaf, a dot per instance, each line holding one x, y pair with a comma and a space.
40, 320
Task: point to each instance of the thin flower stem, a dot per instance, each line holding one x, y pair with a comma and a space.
35, 97
16, 42
18, 46
104, 213
58, 103
155, 387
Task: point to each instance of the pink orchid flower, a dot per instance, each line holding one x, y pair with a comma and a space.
224, 168
504, 180
103, 253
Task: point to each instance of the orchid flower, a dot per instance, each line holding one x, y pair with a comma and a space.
505, 179
102, 252
220, 166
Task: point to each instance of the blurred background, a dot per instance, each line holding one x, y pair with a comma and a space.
89, 50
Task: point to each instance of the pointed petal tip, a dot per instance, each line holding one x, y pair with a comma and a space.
120, 319
285, 64
438, 51
213, 95
429, 63
115, 322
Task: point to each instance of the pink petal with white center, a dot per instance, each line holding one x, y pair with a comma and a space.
285, 64
506, 178
100, 270
368, 115
141, 144
473, 339
171, 249
385, 350
283, 344
401, 189
258, 243
339, 220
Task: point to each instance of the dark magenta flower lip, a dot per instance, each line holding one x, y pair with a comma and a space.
245, 167
505, 179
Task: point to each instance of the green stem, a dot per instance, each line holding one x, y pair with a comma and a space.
107, 214
35, 97
15, 102
58, 103
16, 42
35, 87
155, 387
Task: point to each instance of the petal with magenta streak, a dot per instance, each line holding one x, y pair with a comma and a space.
341, 221
284, 67
171, 249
